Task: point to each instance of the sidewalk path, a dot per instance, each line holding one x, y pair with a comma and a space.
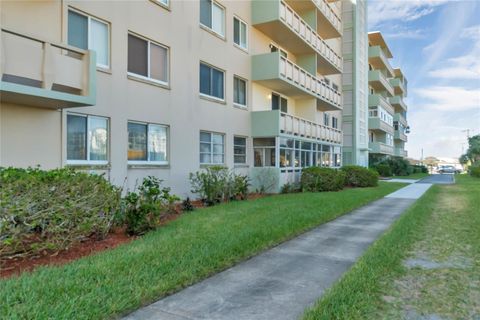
281, 282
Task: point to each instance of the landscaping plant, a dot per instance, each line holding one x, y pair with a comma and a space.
356, 176
316, 179
145, 210
51, 210
384, 169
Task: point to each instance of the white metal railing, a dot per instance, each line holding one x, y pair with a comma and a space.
328, 12
310, 83
383, 80
302, 29
290, 124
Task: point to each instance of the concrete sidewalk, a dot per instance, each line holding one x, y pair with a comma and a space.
281, 282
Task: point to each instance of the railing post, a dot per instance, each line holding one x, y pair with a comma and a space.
48, 72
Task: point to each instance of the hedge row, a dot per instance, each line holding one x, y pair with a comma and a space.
316, 179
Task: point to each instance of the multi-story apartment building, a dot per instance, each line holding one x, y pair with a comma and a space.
161, 87
387, 112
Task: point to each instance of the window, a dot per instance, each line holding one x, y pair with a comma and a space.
239, 150
87, 139
89, 33
240, 33
147, 143
147, 59
334, 122
212, 148
212, 16
326, 119
162, 2
264, 152
211, 81
279, 102
239, 91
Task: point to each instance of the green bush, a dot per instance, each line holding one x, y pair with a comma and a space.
216, 184
384, 170
356, 176
475, 171
290, 188
316, 179
51, 210
143, 211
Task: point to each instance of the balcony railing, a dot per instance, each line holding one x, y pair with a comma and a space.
399, 152
303, 30
274, 123
399, 135
310, 83
398, 86
329, 14
293, 125
397, 101
376, 100
377, 80
380, 147
376, 56
400, 118
45, 74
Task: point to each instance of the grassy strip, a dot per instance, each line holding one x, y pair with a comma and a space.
355, 296
413, 176
183, 252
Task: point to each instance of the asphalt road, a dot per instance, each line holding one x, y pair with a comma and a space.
439, 179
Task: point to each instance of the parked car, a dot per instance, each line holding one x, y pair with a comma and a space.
448, 169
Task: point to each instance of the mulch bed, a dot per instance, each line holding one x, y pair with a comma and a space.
14, 266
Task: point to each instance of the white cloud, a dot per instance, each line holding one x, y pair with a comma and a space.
449, 98
401, 32
403, 10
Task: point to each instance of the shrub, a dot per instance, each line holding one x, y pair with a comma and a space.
187, 205
356, 176
144, 210
322, 179
51, 210
475, 171
216, 184
384, 170
290, 188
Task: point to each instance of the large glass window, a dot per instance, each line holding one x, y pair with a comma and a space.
212, 16
147, 143
147, 59
89, 33
279, 103
239, 150
240, 33
211, 81
239, 91
264, 152
87, 138
212, 148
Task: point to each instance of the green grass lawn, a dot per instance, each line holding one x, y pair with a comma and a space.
181, 253
442, 229
413, 176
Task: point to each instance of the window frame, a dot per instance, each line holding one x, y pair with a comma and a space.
224, 25
242, 106
87, 161
89, 44
149, 162
246, 150
162, 4
211, 153
238, 45
148, 78
207, 96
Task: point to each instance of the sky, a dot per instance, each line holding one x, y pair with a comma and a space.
437, 46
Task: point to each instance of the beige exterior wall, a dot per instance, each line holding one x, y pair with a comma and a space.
33, 136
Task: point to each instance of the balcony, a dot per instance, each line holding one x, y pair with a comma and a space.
274, 123
376, 100
375, 123
399, 152
380, 147
378, 59
44, 74
398, 103
399, 135
329, 25
378, 81
282, 24
401, 119
398, 86
280, 74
